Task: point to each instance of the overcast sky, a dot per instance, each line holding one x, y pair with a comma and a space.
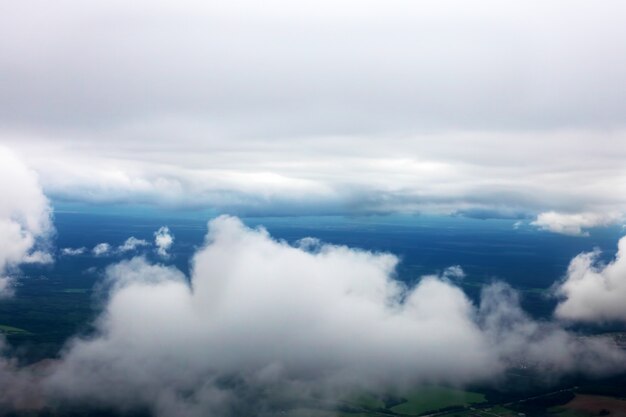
488, 108
483, 108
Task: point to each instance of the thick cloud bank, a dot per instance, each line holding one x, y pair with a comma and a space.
352, 106
24, 218
594, 292
263, 324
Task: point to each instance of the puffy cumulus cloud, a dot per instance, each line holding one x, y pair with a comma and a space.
575, 224
593, 292
262, 326
101, 249
24, 218
131, 244
163, 240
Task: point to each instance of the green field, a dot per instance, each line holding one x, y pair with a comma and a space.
435, 398
10, 330
76, 290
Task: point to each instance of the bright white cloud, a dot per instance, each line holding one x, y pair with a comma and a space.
265, 321
101, 249
575, 224
131, 244
163, 240
24, 218
593, 292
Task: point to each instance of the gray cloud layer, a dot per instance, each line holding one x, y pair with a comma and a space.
329, 107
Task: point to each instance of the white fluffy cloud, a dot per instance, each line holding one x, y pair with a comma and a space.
24, 218
163, 240
594, 292
263, 323
575, 224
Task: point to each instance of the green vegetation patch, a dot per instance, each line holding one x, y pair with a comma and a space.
436, 398
369, 401
76, 290
10, 330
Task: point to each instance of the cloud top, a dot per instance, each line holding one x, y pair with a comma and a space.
593, 292
262, 324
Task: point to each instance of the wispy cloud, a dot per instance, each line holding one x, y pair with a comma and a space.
73, 251
131, 244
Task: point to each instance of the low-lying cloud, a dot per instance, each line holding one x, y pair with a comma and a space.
131, 244
25, 222
262, 324
73, 251
592, 291
163, 240
575, 224
101, 249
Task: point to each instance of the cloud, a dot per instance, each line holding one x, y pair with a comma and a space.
575, 224
593, 292
309, 244
433, 106
73, 251
453, 272
163, 240
25, 221
6, 287
408, 57
262, 325
101, 249
131, 244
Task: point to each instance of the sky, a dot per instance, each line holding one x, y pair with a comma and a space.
494, 109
